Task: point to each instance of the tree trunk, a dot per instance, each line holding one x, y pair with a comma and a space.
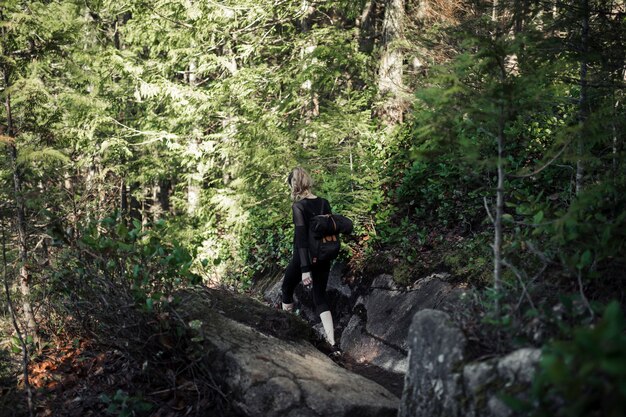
154, 206
147, 201
90, 190
135, 204
193, 187
497, 241
390, 85
123, 199
311, 107
366, 27
20, 208
616, 146
18, 331
582, 100
164, 195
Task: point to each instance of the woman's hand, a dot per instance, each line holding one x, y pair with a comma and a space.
306, 279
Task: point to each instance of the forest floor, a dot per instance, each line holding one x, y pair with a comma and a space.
75, 378
86, 379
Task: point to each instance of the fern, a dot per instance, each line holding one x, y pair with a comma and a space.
43, 157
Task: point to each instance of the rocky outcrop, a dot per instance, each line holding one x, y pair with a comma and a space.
441, 382
437, 350
262, 359
340, 296
377, 332
374, 323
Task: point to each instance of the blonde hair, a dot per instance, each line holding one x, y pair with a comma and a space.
301, 184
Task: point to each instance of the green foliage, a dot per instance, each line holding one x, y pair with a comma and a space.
442, 191
586, 375
592, 230
133, 105
124, 405
139, 258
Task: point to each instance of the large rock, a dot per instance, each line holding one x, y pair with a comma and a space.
377, 332
364, 348
388, 306
273, 294
439, 382
511, 374
437, 349
271, 371
340, 296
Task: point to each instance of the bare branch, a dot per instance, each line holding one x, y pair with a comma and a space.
521, 281
488, 211
582, 293
537, 171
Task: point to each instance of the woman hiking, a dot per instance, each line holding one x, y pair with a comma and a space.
307, 205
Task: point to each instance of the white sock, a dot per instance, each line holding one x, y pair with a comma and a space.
327, 322
288, 307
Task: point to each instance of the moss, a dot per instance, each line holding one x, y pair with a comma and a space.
468, 263
377, 263
199, 301
403, 274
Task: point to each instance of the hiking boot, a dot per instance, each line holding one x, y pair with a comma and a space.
335, 352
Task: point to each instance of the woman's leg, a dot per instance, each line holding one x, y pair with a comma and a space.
292, 277
320, 280
320, 272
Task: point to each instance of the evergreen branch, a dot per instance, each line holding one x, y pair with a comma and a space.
147, 142
43, 154
578, 9
575, 80
227, 6
160, 135
176, 22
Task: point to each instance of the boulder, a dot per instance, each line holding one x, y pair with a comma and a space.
364, 348
431, 386
335, 281
386, 306
511, 374
377, 331
384, 282
273, 293
441, 381
268, 369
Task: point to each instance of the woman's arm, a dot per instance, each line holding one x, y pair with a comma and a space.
301, 237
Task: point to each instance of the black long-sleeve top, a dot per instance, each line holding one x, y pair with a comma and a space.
303, 211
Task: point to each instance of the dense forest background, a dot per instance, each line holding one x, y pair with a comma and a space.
146, 144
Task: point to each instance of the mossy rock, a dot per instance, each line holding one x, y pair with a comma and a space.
245, 310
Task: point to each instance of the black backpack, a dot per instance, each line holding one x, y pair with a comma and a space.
324, 229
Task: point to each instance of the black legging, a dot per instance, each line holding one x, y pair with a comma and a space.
293, 276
